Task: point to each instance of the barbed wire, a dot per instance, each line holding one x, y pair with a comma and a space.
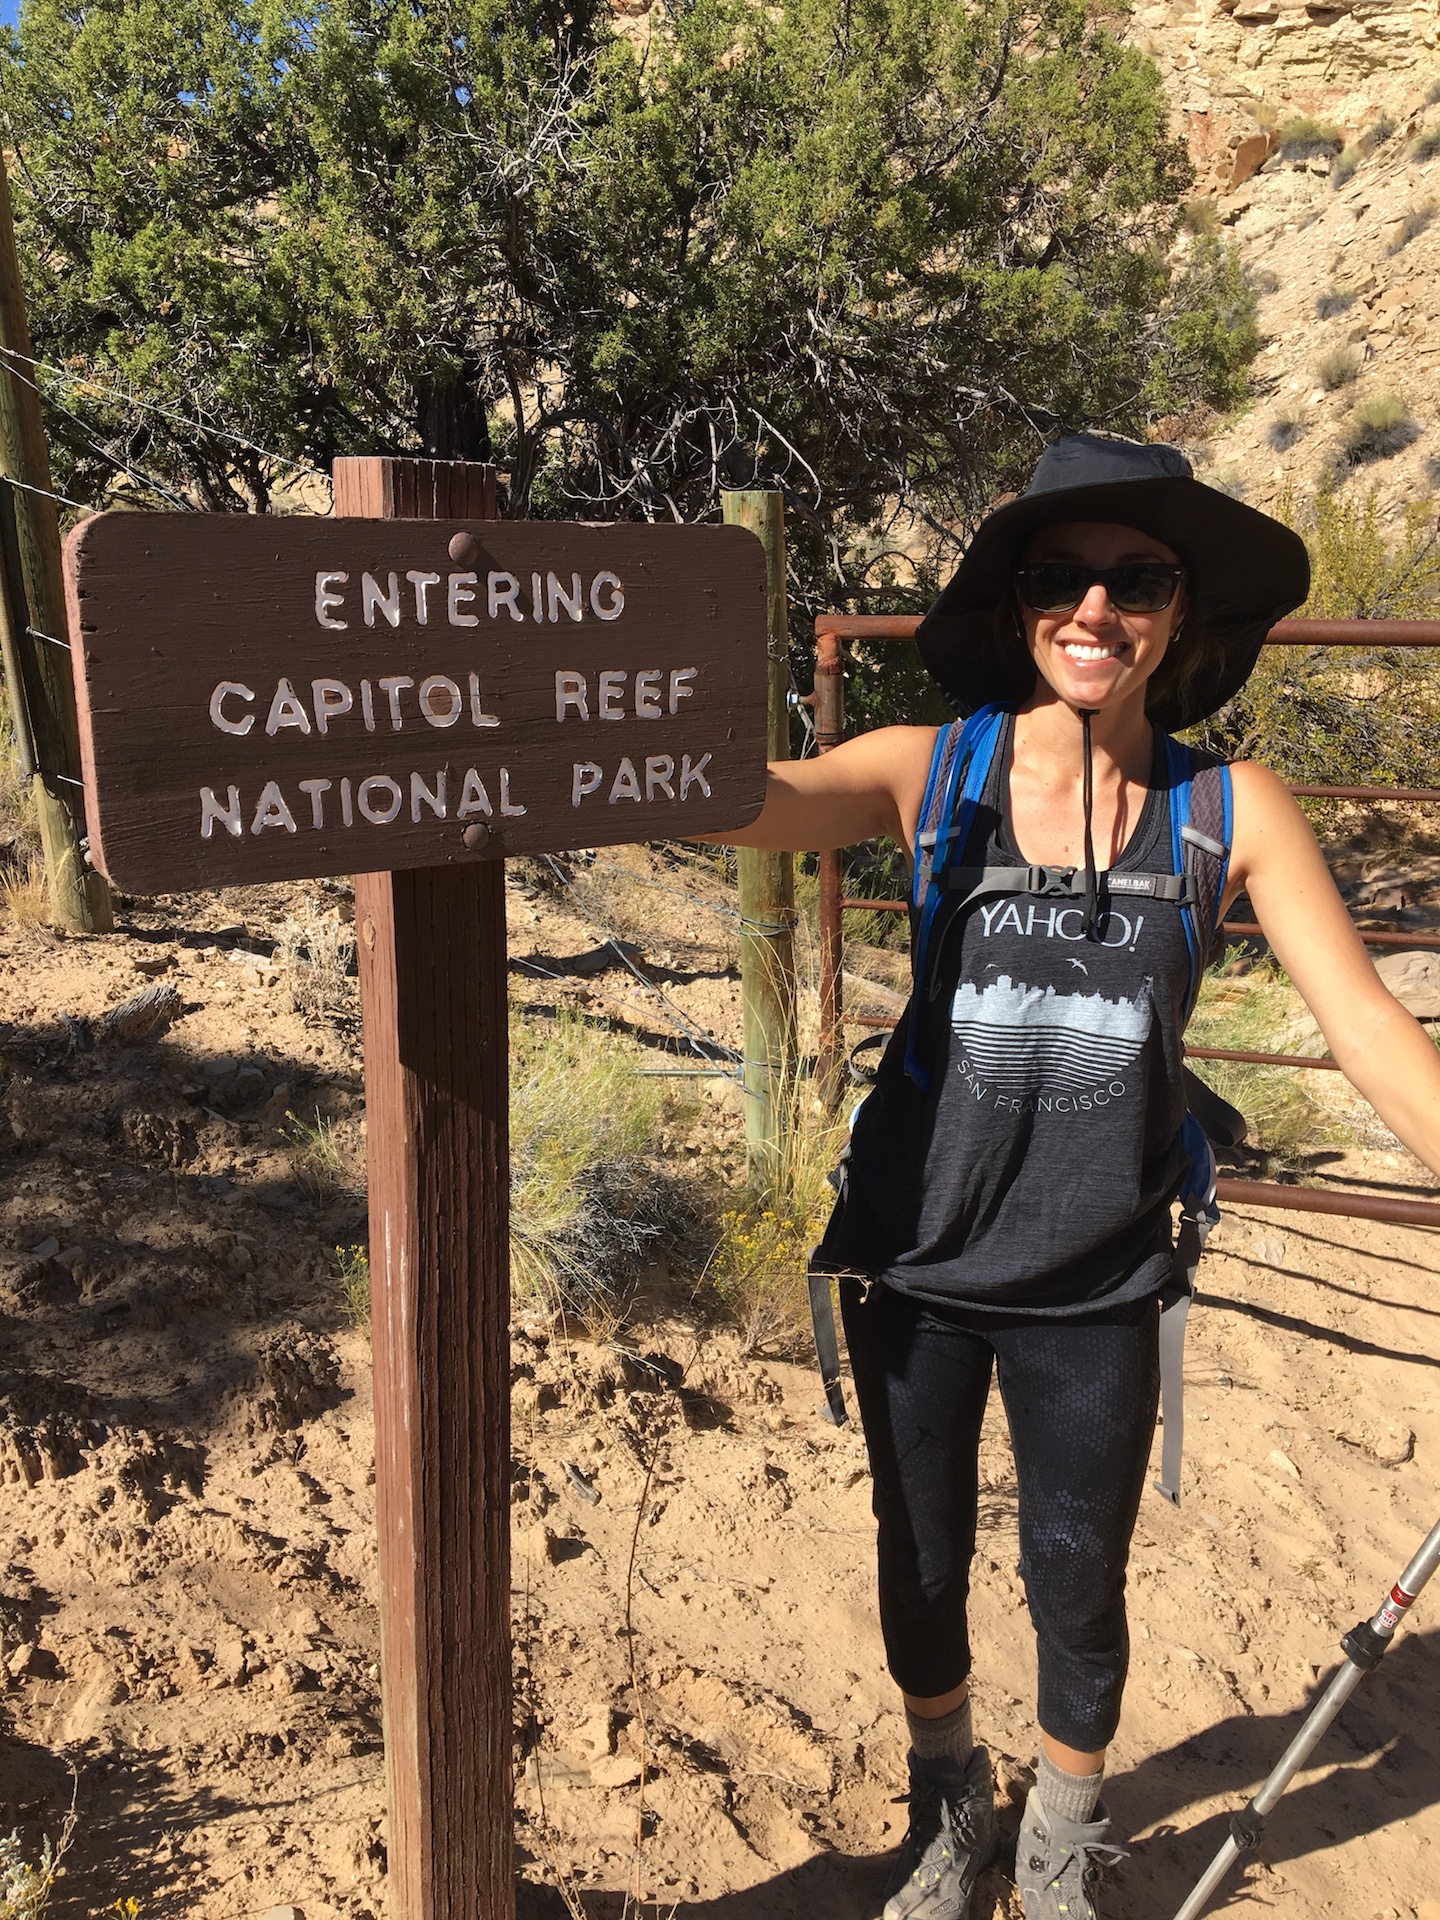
150, 406
698, 1037
720, 1067
147, 481
47, 493
660, 886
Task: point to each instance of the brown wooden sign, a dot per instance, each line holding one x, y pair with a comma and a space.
269, 698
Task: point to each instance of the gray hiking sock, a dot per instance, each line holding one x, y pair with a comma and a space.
941, 1749
1071, 1796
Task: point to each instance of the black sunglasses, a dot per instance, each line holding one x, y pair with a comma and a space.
1058, 586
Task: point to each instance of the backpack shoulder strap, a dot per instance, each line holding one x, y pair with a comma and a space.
1201, 828
959, 768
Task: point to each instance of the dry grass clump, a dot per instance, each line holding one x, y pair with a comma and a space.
1337, 367
1411, 227
19, 822
316, 1157
1333, 302
1303, 137
590, 1200
1379, 427
1375, 135
1345, 165
1286, 425
1255, 1013
315, 952
1425, 145
26, 894
1201, 215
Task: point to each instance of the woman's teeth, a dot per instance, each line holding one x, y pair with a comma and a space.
1075, 651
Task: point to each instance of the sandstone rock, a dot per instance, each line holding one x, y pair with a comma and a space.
101, 1688
618, 1770
1413, 976
1248, 158
230, 1661
595, 1736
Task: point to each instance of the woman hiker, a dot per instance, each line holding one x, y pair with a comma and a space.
1007, 1199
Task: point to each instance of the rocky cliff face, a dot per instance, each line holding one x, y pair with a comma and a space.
1235, 70
1316, 135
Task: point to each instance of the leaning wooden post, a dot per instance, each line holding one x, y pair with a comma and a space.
431, 943
767, 885
79, 897
829, 711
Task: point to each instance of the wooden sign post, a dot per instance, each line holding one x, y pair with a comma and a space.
276, 698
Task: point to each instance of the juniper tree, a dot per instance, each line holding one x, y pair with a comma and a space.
872, 251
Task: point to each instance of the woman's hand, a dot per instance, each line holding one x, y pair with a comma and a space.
1382, 1050
871, 785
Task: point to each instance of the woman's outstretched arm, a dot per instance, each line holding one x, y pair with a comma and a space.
870, 785
1381, 1048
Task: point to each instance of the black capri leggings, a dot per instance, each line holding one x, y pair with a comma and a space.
1080, 1397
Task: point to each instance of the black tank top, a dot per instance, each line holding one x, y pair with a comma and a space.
1035, 1173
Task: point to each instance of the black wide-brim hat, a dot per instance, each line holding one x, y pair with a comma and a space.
1244, 571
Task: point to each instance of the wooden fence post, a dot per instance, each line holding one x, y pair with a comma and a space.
767, 886
42, 690
432, 955
829, 711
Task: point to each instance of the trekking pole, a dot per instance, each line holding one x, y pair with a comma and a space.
1363, 1646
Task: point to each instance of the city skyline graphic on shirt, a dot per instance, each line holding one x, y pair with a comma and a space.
1032, 1039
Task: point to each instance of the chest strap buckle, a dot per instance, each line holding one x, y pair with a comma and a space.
1051, 882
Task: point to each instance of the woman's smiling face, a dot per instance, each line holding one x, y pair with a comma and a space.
1096, 656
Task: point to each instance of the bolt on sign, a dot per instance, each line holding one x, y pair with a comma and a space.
272, 698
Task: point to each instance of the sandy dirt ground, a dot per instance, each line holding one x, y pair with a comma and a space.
703, 1719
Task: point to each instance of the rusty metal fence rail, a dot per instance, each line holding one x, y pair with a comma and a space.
832, 630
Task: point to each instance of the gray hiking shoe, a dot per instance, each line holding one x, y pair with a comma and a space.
1058, 1862
950, 1843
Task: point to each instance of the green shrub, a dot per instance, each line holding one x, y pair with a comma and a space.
352, 1269
1411, 227
1378, 427
1303, 137
1333, 303
1324, 717
758, 1268
1337, 367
